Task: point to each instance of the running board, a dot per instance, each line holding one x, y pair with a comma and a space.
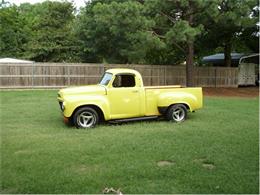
134, 119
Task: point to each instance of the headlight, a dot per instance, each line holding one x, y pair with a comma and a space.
63, 106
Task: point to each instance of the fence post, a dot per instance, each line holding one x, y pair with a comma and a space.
32, 75
104, 68
158, 78
68, 74
151, 77
215, 77
164, 75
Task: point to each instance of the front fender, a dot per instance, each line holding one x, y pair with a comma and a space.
167, 99
72, 103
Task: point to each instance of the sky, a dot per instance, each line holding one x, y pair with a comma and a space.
76, 3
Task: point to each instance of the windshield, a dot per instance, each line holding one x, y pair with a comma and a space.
106, 78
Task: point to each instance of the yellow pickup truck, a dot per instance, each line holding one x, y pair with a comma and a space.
121, 96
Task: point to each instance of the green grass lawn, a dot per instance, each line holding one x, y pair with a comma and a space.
214, 151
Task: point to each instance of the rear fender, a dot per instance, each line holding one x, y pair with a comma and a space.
170, 98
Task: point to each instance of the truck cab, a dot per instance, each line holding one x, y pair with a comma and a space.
125, 93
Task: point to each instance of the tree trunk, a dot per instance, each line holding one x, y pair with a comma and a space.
227, 53
189, 64
190, 52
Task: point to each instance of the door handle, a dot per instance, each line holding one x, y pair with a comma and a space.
135, 91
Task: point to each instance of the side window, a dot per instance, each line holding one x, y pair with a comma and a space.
124, 81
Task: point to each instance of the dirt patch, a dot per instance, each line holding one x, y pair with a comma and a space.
208, 166
163, 163
22, 152
8, 191
199, 160
205, 163
246, 92
82, 169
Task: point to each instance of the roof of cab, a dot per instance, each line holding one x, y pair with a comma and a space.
122, 70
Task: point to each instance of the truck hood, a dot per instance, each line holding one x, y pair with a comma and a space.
84, 90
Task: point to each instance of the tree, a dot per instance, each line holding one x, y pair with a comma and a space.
41, 32
129, 31
52, 33
234, 27
178, 24
12, 32
115, 32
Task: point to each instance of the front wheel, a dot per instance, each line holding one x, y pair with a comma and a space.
85, 117
177, 113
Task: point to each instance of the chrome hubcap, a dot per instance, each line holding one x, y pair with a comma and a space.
178, 114
86, 119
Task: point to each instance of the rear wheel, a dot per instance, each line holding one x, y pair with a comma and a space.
86, 117
177, 113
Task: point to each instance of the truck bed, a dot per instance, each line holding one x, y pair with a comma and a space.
152, 94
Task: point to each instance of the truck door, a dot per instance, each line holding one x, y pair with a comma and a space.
124, 97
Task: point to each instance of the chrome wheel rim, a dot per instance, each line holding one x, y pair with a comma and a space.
86, 119
178, 114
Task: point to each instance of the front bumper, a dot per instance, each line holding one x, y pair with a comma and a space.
66, 120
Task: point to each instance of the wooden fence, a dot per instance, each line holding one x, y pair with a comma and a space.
56, 75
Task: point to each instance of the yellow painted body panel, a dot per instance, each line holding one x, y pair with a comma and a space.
124, 102
165, 96
75, 97
128, 102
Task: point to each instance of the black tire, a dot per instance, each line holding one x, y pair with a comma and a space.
177, 113
86, 117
